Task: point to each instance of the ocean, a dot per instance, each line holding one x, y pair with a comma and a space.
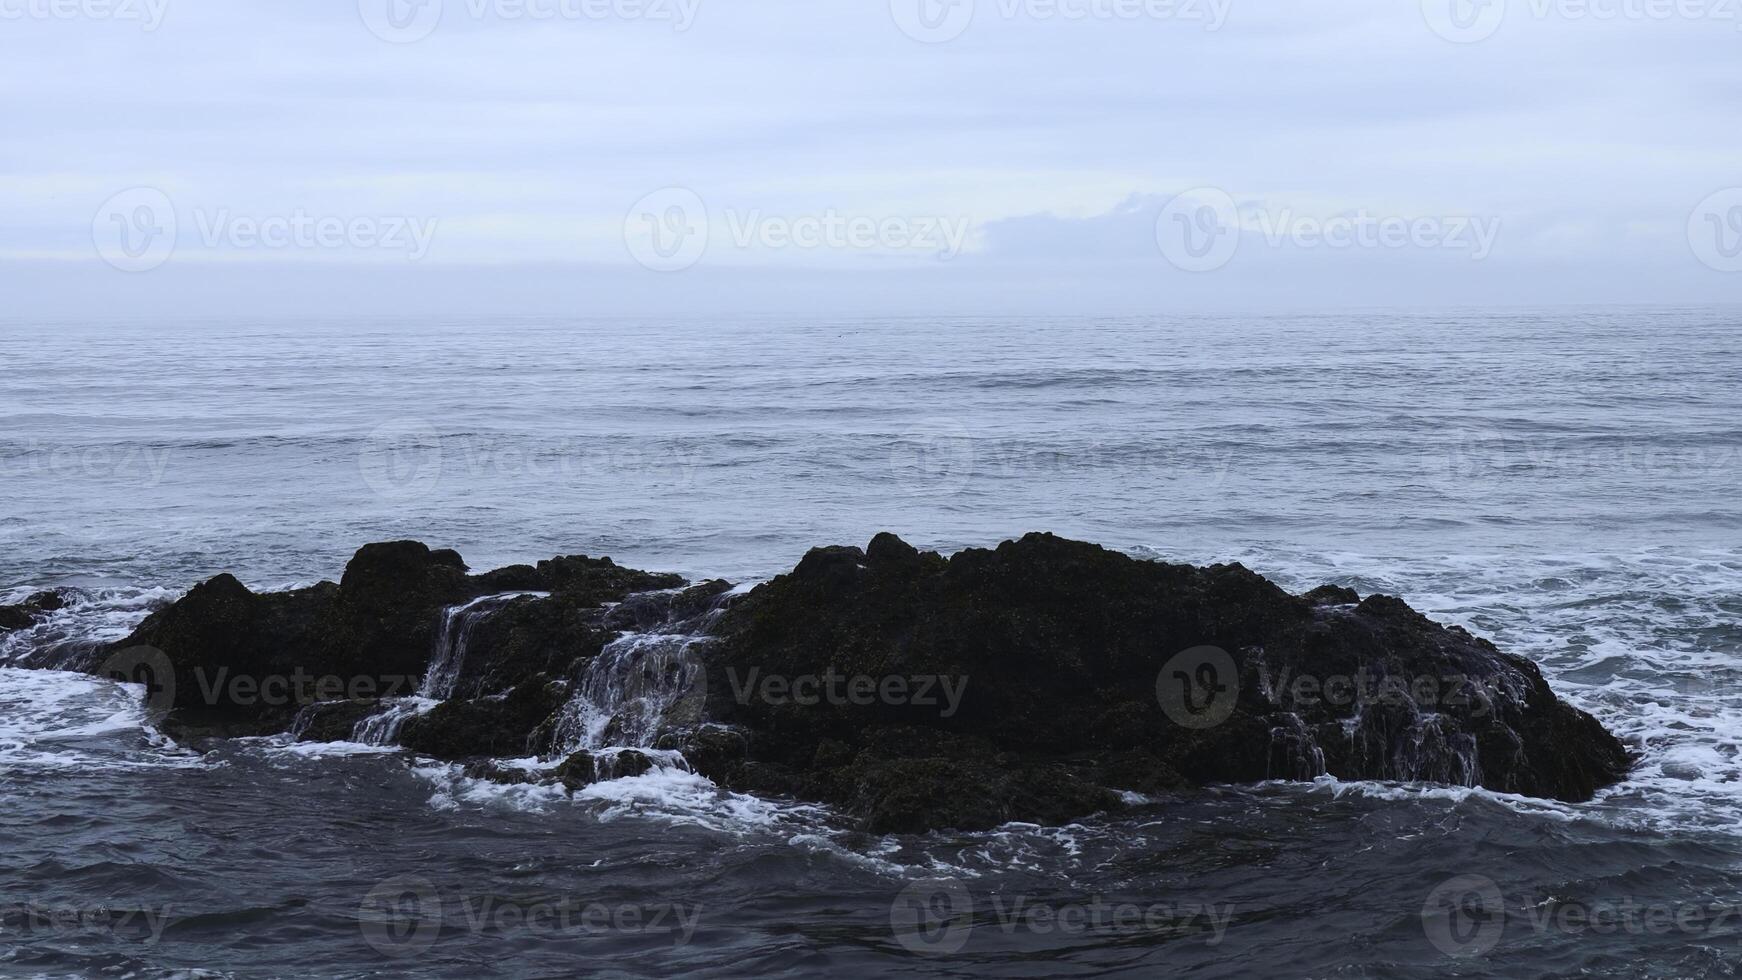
1562, 482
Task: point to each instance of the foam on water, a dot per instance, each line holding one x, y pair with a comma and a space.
1647, 642
669, 794
89, 618
57, 720
1650, 643
284, 746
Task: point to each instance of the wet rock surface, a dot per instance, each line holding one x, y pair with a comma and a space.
247, 663
498, 725
25, 614
1080, 671
1044, 680
333, 721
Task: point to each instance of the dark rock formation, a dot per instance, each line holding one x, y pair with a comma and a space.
26, 613
334, 721
247, 663
500, 725
1043, 680
584, 768
1077, 671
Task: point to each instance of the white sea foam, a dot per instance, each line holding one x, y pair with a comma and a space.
52, 719
88, 618
283, 746
1648, 643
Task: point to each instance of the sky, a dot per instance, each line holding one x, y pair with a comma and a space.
610, 157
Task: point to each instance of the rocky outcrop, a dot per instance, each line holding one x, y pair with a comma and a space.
333, 721
511, 724
1032, 681
247, 663
25, 614
1043, 680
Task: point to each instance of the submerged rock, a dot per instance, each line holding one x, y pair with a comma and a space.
495, 772
25, 614
1031, 681
584, 768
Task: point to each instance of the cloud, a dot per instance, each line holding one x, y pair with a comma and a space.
528, 139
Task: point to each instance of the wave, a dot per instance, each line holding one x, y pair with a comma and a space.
53, 720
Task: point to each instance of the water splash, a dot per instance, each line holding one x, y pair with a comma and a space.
1294, 753
382, 728
442, 677
449, 658
637, 685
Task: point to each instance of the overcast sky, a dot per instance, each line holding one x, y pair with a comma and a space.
844, 156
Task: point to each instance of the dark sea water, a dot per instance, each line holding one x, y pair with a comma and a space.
1565, 484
